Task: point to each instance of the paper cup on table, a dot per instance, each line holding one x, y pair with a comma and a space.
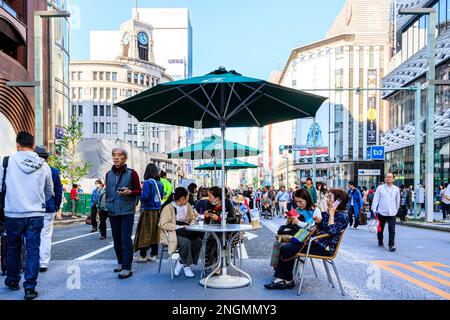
255, 222
201, 223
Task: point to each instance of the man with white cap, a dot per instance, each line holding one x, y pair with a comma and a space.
51, 207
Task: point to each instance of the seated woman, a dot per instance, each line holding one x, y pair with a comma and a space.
202, 204
213, 216
266, 205
176, 211
333, 222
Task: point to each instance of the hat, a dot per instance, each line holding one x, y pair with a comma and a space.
293, 213
42, 151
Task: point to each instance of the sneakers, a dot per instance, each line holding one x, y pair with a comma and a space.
178, 268
30, 294
43, 269
93, 230
392, 249
152, 258
13, 285
140, 259
125, 274
188, 272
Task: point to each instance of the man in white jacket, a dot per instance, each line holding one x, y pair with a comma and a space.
28, 185
386, 203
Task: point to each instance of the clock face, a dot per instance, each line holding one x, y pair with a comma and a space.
126, 38
143, 38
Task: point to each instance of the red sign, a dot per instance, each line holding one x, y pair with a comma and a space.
310, 152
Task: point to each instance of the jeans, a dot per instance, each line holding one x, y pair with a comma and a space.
121, 229
445, 210
46, 240
391, 222
103, 217
30, 230
94, 211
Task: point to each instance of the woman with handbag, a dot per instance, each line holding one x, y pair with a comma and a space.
147, 231
333, 222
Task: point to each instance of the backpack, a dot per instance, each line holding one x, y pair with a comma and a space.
370, 197
3, 191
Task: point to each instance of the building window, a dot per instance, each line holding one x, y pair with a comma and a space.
108, 93
80, 111
108, 127
114, 76
130, 142
72, 76
129, 116
102, 111
157, 81
129, 76
95, 127
108, 76
74, 110
108, 111
130, 128
141, 77
114, 128
102, 93
80, 93
147, 80
114, 111
157, 147
136, 78
101, 76
80, 75
135, 129
94, 75
114, 93
95, 93
129, 93
95, 110
153, 82
74, 93
153, 147
135, 143
102, 127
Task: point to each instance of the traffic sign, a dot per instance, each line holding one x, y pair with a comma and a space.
375, 153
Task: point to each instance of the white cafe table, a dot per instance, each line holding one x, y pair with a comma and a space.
223, 281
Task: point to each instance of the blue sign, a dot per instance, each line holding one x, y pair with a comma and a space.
375, 153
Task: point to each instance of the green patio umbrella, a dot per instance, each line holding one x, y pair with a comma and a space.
210, 148
232, 164
221, 99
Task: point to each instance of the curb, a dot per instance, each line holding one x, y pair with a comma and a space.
422, 226
69, 222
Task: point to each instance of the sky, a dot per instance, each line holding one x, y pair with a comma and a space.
253, 37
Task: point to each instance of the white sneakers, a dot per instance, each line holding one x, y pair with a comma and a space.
187, 270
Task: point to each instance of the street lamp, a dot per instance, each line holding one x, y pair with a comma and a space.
431, 75
38, 91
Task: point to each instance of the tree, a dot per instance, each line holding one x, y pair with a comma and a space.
66, 159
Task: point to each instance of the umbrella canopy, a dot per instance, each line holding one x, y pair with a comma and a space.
224, 97
232, 164
221, 99
210, 148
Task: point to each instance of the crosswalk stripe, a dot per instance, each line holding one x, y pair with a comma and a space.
96, 252
386, 266
431, 266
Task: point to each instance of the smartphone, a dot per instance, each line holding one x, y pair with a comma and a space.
337, 203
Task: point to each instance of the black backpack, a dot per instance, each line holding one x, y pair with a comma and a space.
3, 193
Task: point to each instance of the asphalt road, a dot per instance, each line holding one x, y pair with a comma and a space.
81, 268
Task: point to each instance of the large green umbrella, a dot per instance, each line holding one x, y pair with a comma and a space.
232, 164
210, 148
221, 99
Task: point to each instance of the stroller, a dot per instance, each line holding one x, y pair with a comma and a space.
267, 209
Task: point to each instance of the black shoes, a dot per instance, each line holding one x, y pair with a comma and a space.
94, 230
102, 238
280, 285
30, 294
42, 270
13, 285
392, 249
118, 268
380, 244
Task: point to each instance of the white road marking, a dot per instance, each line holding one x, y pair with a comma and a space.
250, 236
96, 252
79, 237
244, 252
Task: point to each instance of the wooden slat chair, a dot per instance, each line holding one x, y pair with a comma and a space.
163, 248
325, 259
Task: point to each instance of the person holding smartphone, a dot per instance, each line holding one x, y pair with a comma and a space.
333, 221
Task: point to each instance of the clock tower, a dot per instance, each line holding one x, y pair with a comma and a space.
137, 40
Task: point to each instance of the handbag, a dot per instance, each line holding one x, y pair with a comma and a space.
88, 220
304, 234
362, 217
157, 198
373, 225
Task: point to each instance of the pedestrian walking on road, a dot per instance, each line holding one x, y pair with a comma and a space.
386, 203
103, 212
168, 187
445, 200
405, 202
282, 200
28, 182
147, 231
355, 205
123, 188
321, 197
51, 207
311, 190
94, 209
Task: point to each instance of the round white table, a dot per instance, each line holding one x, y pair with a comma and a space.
224, 281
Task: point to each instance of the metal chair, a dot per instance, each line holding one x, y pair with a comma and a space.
163, 248
325, 259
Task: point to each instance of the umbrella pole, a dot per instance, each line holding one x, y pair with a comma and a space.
222, 147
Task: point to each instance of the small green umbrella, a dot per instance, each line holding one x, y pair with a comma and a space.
232, 164
210, 148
